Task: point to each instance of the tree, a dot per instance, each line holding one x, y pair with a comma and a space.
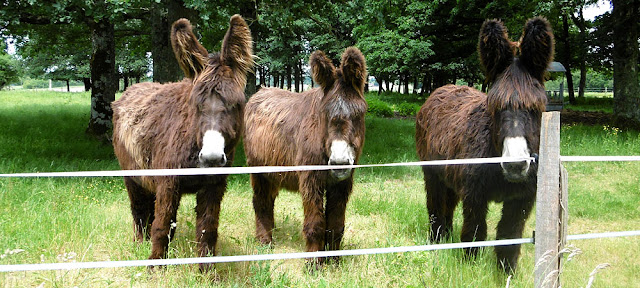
626, 89
9, 67
99, 19
70, 60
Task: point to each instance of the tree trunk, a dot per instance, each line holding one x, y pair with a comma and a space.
580, 22
406, 84
296, 76
68, 88
424, 84
163, 14
380, 84
263, 77
583, 79
87, 84
288, 71
126, 82
626, 90
301, 74
567, 58
103, 77
281, 80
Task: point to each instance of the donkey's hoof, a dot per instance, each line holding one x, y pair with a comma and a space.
313, 265
265, 240
207, 268
471, 253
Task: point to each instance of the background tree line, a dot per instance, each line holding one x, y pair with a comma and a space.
425, 43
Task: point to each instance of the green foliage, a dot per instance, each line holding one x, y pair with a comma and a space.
594, 80
9, 70
379, 108
408, 109
29, 83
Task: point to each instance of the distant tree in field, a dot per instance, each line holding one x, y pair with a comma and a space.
63, 53
100, 23
9, 67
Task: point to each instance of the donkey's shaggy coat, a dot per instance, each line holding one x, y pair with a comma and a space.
316, 127
461, 122
193, 123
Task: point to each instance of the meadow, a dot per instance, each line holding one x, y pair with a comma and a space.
47, 220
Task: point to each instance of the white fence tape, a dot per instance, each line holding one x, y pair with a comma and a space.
259, 257
286, 256
277, 169
258, 169
598, 158
283, 256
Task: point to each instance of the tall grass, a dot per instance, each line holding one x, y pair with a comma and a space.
88, 219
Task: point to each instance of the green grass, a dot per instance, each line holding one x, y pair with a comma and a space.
592, 102
88, 219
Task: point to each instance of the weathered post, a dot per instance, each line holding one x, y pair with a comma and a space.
551, 204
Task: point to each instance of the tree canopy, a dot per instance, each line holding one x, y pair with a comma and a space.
426, 43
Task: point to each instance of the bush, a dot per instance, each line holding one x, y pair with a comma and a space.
379, 108
9, 70
35, 83
408, 109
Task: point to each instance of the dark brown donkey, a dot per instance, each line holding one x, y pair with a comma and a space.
193, 123
324, 125
461, 122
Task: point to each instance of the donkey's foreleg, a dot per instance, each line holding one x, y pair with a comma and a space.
207, 219
314, 225
337, 198
511, 226
474, 227
166, 208
264, 197
441, 204
142, 202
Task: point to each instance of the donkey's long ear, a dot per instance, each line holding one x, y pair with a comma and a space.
191, 56
536, 46
322, 70
495, 50
237, 49
354, 68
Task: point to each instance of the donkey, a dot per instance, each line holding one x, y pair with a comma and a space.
193, 123
461, 122
324, 125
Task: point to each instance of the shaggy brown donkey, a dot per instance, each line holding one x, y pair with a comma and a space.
193, 123
461, 122
324, 125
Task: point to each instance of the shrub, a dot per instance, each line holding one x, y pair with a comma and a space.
379, 108
35, 83
9, 70
408, 109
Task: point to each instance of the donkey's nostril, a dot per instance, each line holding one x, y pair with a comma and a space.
212, 160
515, 171
515, 166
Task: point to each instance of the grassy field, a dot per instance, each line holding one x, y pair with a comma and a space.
88, 219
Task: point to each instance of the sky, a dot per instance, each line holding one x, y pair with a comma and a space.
596, 10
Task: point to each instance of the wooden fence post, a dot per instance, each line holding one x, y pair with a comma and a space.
551, 204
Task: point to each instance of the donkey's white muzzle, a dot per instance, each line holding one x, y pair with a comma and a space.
212, 152
515, 147
341, 154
